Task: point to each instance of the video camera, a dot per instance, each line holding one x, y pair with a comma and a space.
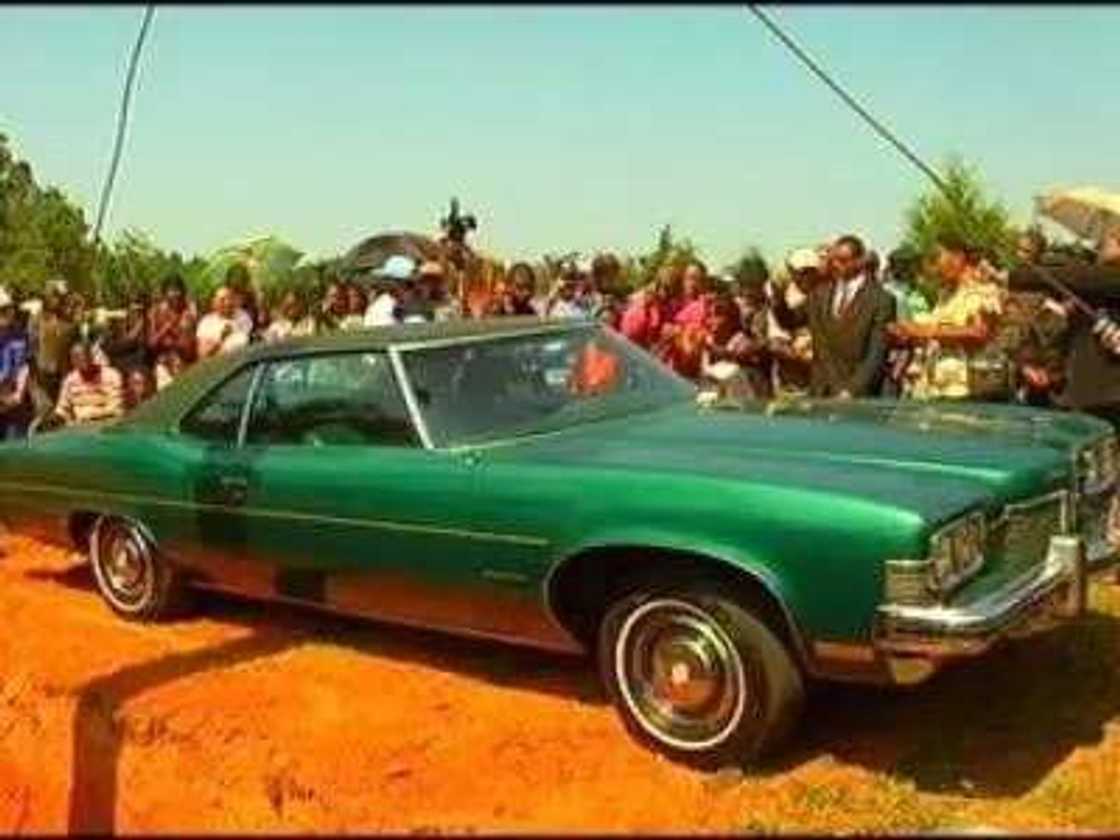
457, 226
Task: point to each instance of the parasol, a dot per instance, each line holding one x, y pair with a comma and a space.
373, 251
1086, 212
268, 259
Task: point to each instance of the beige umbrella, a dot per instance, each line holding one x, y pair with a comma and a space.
1086, 212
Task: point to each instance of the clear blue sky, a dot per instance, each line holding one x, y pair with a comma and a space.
570, 127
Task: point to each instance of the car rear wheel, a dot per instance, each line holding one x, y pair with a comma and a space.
697, 676
132, 577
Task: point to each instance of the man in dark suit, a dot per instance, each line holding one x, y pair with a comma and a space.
847, 315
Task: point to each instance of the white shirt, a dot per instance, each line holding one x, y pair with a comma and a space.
845, 292
212, 325
382, 312
567, 309
283, 328
244, 321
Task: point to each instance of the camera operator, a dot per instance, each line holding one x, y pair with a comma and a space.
1092, 362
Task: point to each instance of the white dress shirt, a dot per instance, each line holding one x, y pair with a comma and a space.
845, 292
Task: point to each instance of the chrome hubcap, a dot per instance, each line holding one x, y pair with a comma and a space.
680, 674
125, 565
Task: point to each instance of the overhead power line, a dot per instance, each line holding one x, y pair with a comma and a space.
890, 137
875, 124
122, 122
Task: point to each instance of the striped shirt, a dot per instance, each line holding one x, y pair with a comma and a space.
82, 400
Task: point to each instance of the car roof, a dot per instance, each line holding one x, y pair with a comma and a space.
170, 404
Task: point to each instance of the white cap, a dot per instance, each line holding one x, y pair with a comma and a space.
5, 298
803, 259
397, 267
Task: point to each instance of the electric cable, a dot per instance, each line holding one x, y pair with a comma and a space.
122, 122
890, 137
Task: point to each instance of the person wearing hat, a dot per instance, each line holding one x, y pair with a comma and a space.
391, 277
421, 295
847, 314
792, 349
14, 373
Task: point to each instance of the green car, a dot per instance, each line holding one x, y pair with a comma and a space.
551, 484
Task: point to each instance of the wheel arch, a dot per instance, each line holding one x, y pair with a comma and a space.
577, 592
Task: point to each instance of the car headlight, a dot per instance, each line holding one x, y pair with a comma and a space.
956, 553
1099, 463
1108, 459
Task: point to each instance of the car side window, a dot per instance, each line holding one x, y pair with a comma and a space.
346, 399
218, 417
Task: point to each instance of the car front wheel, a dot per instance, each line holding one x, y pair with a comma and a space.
131, 576
697, 676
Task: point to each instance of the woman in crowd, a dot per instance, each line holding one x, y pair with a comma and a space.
168, 366
138, 386
125, 340
515, 293
731, 357
650, 309
291, 319
955, 331
333, 309
172, 322
356, 305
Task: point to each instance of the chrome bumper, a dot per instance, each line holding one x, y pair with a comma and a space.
913, 640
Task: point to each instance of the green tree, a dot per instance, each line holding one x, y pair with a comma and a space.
42, 235
963, 210
668, 251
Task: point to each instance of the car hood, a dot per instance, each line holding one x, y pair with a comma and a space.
934, 459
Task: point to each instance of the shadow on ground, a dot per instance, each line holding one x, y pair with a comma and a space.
989, 728
993, 727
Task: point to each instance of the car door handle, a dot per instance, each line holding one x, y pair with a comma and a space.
235, 489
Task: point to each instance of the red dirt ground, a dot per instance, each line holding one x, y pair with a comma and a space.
257, 718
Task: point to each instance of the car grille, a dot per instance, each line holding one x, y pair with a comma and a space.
1021, 538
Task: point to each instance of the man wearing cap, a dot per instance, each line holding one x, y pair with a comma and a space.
13, 371
427, 293
847, 315
385, 310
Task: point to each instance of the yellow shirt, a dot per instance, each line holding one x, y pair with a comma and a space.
942, 372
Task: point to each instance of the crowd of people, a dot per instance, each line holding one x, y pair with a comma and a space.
833, 321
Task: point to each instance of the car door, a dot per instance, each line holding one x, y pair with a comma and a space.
350, 507
202, 525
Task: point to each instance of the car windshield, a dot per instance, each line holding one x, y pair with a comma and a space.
514, 386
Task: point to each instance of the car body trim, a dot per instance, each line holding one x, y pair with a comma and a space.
453, 629
971, 628
486, 536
